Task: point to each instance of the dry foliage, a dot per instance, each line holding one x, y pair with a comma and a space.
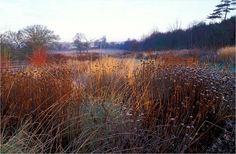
39, 57
171, 59
113, 105
227, 54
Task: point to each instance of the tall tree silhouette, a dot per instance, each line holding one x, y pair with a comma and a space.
81, 42
37, 36
222, 9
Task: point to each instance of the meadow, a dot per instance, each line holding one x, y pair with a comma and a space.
166, 102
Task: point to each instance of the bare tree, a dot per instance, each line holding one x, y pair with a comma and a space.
14, 39
38, 36
175, 26
101, 42
81, 42
5, 47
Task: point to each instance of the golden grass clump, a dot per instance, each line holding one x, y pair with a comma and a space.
227, 51
171, 59
227, 54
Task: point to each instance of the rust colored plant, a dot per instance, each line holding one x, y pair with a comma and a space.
39, 57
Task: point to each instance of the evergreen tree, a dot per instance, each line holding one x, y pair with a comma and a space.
222, 9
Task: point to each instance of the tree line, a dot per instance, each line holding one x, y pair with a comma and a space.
24, 42
201, 35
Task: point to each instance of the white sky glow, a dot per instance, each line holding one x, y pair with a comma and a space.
118, 20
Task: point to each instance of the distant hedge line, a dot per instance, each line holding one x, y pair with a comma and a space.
201, 35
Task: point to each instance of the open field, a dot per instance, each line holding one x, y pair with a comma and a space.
122, 76
89, 103
100, 51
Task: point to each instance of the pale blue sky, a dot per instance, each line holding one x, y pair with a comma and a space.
117, 19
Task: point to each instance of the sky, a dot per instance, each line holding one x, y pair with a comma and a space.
118, 20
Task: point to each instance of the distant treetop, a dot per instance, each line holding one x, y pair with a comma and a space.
222, 9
